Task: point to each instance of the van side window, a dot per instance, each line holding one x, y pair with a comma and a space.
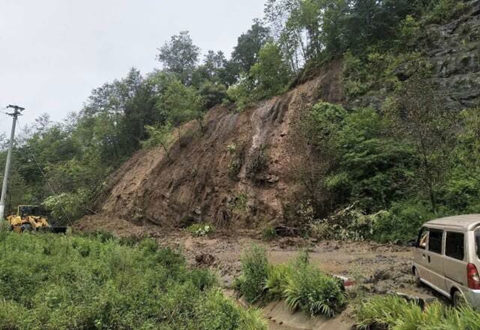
422, 238
435, 241
454, 245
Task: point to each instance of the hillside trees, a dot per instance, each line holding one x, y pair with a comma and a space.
180, 56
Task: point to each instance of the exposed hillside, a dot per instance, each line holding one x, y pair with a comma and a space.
239, 171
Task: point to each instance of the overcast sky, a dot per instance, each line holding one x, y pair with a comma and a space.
54, 52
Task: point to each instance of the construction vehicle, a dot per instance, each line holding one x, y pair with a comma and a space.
32, 218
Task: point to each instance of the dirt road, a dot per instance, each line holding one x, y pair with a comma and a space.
375, 268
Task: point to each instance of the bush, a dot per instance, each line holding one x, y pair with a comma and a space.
303, 286
251, 284
71, 282
277, 281
200, 229
67, 207
396, 313
313, 292
402, 222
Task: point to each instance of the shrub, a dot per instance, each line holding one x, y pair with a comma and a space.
394, 312
303, 286
159, 135
277, 281
200, 229
313, 292
251, 284
67, 207
402, 222
240, 93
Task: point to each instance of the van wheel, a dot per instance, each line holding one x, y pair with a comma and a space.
417, 277
458, 299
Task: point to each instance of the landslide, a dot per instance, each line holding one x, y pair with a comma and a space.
236, 169
245, 169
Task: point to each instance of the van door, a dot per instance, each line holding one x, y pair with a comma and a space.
420, 255
435, 259
455, 264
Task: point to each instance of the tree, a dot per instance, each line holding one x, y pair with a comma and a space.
159, 135
180, 56
246, 52
419, 116
271, 74
179, 103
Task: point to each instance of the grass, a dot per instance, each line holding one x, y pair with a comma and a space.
392, 312
251, 284
64, 282
301, 285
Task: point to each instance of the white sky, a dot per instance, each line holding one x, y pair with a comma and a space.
54, 52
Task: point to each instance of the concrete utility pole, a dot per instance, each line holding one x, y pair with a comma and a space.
17, 111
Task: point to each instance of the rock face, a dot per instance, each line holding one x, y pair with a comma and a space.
454, 51
239, 170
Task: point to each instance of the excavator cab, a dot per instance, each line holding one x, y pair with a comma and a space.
32, 218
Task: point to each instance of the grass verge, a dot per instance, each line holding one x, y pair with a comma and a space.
72, 282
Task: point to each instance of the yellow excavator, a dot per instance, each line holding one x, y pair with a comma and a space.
32, 218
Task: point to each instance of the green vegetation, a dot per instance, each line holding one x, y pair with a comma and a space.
269, 233
393, 312
251, 284
404, 165
97, 282
200, 229
302, 286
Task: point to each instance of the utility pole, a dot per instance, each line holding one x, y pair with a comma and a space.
17, 111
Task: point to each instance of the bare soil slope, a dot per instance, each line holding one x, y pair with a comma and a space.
238, 170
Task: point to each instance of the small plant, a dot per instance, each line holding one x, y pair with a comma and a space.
239, 203
251, 284
258, 162
313, 292
232, 148
200, 229
236, 163
269, 233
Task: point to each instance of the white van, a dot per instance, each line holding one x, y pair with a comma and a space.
447, 258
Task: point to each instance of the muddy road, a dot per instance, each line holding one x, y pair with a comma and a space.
374, 268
